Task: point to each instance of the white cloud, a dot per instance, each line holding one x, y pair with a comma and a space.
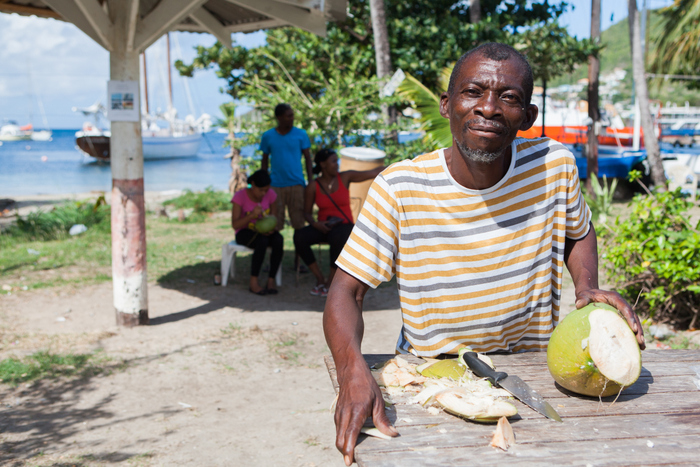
61, 65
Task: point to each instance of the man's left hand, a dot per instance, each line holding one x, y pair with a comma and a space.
615, 300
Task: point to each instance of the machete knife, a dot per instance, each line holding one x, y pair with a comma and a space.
512, 384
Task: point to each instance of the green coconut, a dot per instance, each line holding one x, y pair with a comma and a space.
266, 225
594, 352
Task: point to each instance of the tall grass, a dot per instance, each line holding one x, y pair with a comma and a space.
205, 201
55, 224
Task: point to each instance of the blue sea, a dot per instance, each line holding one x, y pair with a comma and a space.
55, 167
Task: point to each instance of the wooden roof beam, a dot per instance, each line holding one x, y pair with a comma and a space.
132, 19
98, 19
309, 4
293, 15
209, 22
69, 10
162, 19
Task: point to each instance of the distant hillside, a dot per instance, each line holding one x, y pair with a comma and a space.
616, 54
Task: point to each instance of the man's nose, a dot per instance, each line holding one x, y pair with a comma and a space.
489, 105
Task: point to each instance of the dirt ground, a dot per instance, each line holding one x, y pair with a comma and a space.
220, 377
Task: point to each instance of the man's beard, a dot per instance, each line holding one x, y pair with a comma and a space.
479, 155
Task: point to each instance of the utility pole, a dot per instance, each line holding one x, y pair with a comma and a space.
593, 98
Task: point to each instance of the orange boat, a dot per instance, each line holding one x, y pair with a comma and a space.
622, 137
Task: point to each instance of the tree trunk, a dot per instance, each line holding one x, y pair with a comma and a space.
593, 108
544, 103
382, 54
474, 11
658, 176
238, 179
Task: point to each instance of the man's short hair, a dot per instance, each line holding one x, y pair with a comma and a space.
281, 109
497, 52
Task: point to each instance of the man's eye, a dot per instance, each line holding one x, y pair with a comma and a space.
510, 98
472, 92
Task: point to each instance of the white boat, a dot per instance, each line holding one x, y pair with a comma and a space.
181, 138
13, 132
42, 135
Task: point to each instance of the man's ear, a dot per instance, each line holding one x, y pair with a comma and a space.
444, 101
531, 113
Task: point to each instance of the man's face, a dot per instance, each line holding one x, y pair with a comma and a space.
487, 107
286, 120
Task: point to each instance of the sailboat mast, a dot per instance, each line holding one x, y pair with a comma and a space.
145, 82
170, 77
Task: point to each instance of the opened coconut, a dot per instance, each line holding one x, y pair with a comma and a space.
594, 352
266, 225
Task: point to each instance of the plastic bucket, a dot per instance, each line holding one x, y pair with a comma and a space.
360, 158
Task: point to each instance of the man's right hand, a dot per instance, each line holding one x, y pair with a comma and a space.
359, 398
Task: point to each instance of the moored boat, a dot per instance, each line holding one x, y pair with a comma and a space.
13, 132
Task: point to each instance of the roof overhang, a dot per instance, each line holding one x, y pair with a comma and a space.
147, 20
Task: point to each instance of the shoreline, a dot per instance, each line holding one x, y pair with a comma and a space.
13, 206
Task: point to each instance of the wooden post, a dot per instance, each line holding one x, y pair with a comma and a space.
128, 207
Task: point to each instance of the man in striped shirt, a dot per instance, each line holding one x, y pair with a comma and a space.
478, 235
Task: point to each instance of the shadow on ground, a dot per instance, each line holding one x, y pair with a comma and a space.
197, 280
40, 418
44, 416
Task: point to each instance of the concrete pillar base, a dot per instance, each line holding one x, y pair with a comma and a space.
132, 319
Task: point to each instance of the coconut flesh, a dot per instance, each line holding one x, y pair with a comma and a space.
447, 384
594, 352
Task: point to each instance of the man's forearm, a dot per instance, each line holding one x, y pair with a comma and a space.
343, 324
581, 258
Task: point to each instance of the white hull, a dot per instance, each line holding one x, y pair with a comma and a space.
169, 147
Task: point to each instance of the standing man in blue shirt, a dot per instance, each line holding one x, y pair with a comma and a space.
286, 144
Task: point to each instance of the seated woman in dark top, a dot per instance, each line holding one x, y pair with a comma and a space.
329, 192
249, 206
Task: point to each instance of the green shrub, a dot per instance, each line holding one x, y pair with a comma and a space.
205, 201
56, 223
654, 258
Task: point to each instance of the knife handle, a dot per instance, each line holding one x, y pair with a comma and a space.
482, 369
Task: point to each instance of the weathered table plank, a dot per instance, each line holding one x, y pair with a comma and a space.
655, 422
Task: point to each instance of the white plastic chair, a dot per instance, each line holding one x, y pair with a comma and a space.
228, 262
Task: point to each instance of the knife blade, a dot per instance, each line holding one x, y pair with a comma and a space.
513, 384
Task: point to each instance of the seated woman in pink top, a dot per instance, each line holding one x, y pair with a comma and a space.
249, 206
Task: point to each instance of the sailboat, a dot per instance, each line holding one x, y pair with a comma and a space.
11, 131
179, 138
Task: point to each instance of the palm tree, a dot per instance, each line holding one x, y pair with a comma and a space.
382, 54
237, 181
593, 110
640, 86
678, 48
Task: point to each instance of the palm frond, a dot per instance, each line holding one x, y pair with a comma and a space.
436, 127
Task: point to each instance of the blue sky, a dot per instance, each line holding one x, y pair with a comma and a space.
50, 62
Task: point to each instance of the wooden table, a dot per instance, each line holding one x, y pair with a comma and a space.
654, 422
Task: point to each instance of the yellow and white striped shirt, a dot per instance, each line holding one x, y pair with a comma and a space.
478, 268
